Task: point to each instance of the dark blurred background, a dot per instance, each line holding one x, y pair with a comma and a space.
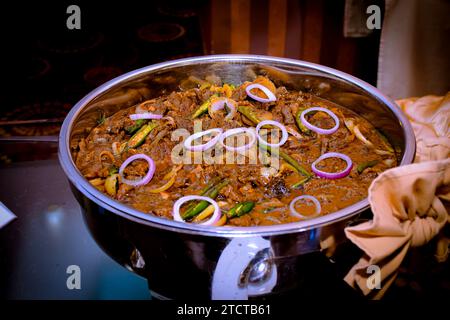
49, 67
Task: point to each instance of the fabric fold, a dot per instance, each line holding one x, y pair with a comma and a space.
409, 203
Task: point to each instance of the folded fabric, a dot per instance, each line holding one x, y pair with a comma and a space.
430, 118
408, 202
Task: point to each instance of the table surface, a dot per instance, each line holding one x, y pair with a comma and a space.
48, 236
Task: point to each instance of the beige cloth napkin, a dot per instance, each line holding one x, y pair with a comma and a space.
408, 202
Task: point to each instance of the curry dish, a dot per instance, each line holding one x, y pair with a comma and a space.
313, 157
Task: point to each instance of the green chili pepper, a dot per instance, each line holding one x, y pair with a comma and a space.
249, 114
300, 125
214, 191
240, 209
136, 126
288, 159
202, 205
300, 183
385, 140
210, 185
139, 137
113, 170
363, 166
203, 108
204, 192
101, 119
294, 163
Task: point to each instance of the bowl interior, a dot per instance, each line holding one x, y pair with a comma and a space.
155, 80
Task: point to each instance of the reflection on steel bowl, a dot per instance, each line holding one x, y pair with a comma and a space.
248, 257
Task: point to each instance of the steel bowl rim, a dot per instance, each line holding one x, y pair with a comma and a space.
129, 213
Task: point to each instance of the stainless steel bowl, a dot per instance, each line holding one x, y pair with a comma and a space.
218, 262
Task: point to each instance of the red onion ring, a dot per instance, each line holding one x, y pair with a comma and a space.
211, 221
270, 96
148, 176
220, 104
145, 115
317, 129
231, 132
205, 146
313, 199
284, 132
333, 175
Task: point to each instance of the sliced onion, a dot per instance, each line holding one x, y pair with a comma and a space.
214, 218
350, 125
270, 96
272, 219
202, 147
317, 129
235, 131
361, 137
298, 214
355, 130
144, 180
139, 108
333, 175
293, 133
219, 104
145, 115
382, 152
284, 132
388, 162
169, 119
